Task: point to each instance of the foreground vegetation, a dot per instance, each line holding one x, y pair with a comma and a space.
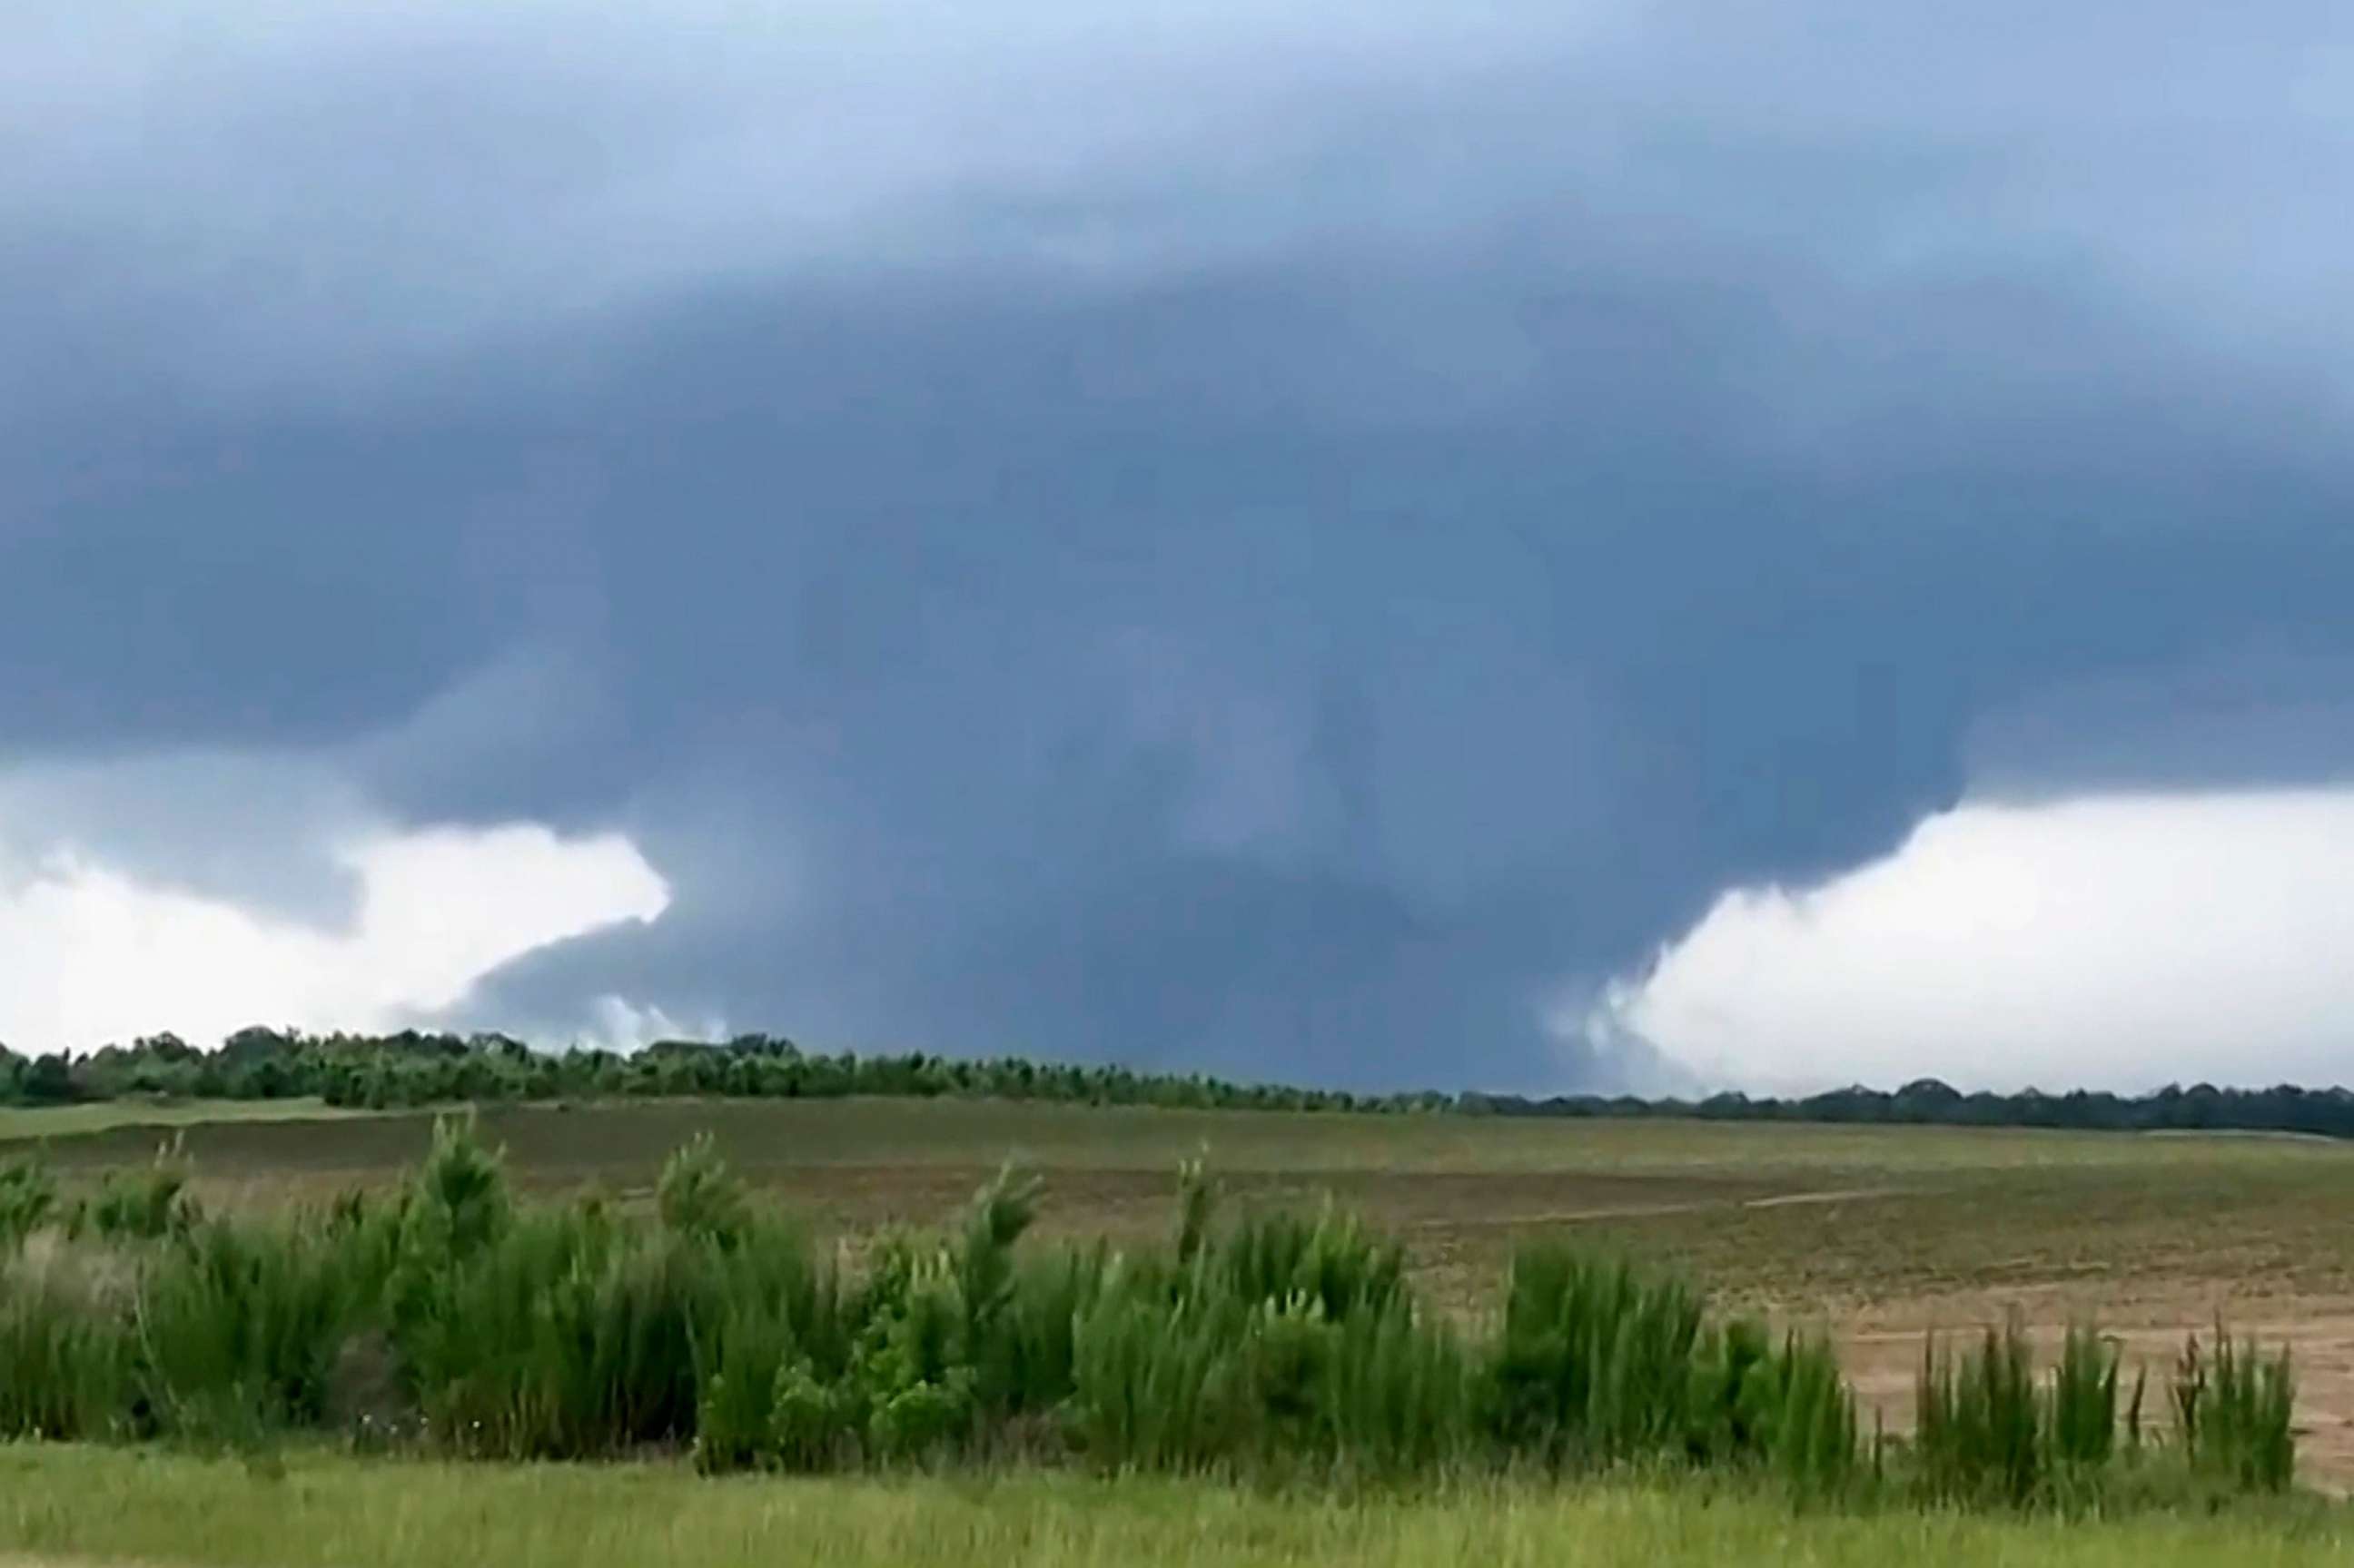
1834, 1226
415, 1069
101, 1505
1283, 1346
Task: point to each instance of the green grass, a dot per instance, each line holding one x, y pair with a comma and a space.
963, 1132
1880, 1213
21, 1122
61, 1504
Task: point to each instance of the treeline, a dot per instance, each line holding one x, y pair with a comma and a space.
413, 1069
448, 1317
2328, 1113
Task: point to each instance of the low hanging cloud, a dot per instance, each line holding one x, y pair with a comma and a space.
2111, 941
92, 953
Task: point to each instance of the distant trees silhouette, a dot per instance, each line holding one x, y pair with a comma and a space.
415, 1068
2328, 1113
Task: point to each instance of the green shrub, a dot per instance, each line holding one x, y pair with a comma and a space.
459, 1203
739, 1355
769, 1310
1196, 1200
1160, 1384
1978, 1435
1279, 1346
28, 1196
1989, 1433
2233, 1413
811, 1423
1026, 1361
147, 1204
65, 1356
1595, 1363
1787, 1409
1273, 1258
910, 1369
2081, 1415
1398, 1399
698, 1198
572, 1336
238, 1329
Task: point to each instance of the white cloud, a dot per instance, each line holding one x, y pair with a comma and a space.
2117, 941
91, 953
618, 1024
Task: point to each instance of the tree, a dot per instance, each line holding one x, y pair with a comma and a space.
49, 1080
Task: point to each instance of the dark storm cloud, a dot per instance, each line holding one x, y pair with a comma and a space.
2278, 712
1299, 582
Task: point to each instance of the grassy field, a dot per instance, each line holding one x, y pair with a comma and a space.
1849, 1220
61, 1506
18, 1122
1874, 1233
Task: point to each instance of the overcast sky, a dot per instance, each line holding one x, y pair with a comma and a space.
1539, 545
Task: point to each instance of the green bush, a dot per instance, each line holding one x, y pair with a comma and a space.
1160, 1384
812, 1422
1595, 1363
739, 1358
1785, 1408
65, 1353
2080, 1421
1278, 1346
1329, 1258
1398, 1397
2233, 1413
1990, 1431
572, 1336
1979, 1428
238, 1330
698, 1198
28, 1196
458, 1205
146, 1204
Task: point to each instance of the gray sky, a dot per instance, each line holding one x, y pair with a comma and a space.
1319, 541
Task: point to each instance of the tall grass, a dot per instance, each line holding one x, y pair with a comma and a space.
1275, 1345
2233, 1408
28, 1196
1982, 1434
90, 1505
1598, 1364
1989, 1429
